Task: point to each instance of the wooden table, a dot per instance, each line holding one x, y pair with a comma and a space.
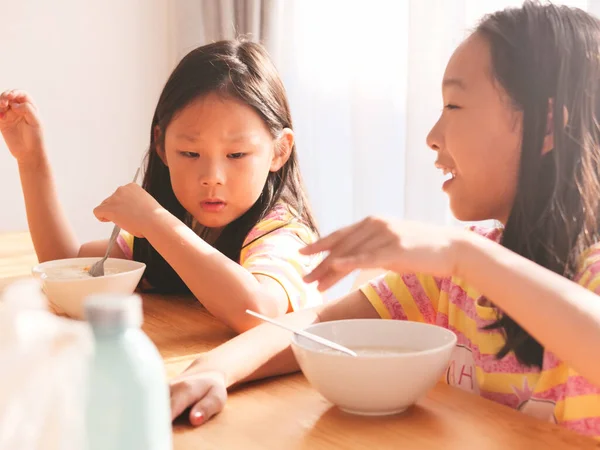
285, 413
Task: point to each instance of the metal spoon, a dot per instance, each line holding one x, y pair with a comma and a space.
97, 270
307, 335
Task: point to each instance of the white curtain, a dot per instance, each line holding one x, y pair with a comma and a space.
363, 77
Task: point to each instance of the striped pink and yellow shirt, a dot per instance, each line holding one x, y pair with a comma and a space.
553, 393
271, 250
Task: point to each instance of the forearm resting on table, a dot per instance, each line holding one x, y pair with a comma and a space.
224, 287
562, 315
265, 351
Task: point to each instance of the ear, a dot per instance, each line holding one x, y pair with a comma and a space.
549, 138
160, 146
283, 149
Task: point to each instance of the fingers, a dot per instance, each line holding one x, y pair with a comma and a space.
373, 252
20, 103
206, 394
212, 403
182, 396
354, 262
16, 95
349, 242
326, 243
103, 213
3, 102
27, 111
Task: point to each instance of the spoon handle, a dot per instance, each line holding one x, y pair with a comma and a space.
312, 337
116, 229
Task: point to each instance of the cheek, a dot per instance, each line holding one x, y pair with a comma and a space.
491, 173
181, 181
504, 157
485, 149
254, 171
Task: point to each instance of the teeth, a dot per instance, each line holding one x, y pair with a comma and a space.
449, 174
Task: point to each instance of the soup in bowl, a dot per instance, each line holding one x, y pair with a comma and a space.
397, 363
66, 282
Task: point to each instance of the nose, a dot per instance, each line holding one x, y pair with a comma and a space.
434, 137
212, 174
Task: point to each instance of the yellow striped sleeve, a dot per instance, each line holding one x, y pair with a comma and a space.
275, 254
578, 400
369, 291
404, 297
125, 243
579, 407
589, 275
488, 343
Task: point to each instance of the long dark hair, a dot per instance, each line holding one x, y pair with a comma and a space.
548, 56
235, 69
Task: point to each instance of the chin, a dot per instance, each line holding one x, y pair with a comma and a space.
463, 214
212, 222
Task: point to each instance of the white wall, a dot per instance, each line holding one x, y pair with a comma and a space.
95, 69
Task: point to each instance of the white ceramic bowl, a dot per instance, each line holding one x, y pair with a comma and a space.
375, 384
69, 294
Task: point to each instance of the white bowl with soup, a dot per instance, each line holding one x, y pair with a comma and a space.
398, 362
66, 282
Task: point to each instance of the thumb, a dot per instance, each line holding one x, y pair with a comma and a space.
212, 403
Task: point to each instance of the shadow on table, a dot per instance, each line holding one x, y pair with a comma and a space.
372, 432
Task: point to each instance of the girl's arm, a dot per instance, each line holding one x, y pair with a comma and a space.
224, 287
561, 314
261, 352
52, 235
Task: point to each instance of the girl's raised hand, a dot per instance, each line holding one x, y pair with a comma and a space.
376, 243
20, 127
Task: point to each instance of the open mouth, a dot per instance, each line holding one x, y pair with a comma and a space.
212, 205
449, 174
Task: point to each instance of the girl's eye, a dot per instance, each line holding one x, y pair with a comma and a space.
236, 155
451, 106
189, 154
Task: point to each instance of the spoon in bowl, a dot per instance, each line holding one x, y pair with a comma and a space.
305, 334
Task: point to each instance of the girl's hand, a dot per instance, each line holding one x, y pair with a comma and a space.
20, 127
202, 391
382, 244
131, 208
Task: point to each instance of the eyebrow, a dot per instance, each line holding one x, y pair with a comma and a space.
186, 137
233, 138
456, 82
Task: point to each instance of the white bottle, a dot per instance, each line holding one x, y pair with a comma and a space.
128, 399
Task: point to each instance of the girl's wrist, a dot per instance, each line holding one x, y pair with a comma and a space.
34, 163
157, 222
466, 250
